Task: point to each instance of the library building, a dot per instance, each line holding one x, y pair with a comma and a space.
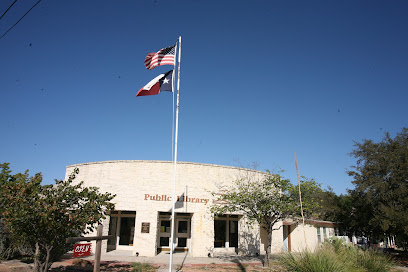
141, 221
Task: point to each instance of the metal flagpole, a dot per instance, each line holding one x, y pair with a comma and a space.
172, 109
175, 161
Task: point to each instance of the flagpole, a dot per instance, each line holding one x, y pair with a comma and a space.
173, 100
175, 161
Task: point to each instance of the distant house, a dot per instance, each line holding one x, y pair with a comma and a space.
141, 222
297, 237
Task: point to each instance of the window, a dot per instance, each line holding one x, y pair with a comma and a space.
128, 212
336, 232
182, 242
319, 238
226, 231
182, 227
220, 236
233, 234
164, 213
164, 241
165, 226
164, 233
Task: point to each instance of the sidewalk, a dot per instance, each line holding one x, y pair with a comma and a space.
162, 260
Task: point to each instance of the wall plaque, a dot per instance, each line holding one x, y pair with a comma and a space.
145, 227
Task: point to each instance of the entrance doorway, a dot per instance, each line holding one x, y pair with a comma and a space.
182, 236
122, 227
226, 231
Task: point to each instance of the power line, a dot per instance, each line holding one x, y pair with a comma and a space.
20, 19
8, 9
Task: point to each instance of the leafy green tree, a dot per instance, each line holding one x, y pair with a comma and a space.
312, 196
381, 178
266, 201
352, 211
40, 217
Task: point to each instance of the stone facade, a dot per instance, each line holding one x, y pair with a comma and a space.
143, 200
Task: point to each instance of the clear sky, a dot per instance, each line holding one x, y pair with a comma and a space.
259, 81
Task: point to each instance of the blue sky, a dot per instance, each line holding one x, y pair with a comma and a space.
259, 81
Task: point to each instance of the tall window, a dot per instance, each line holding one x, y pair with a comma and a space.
226, 231
319, 237
220, 233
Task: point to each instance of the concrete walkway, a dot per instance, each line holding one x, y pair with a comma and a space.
162, 260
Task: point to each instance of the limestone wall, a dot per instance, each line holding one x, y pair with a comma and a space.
147, 186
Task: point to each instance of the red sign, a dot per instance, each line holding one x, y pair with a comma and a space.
82, 250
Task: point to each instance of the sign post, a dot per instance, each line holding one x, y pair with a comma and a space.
98, 248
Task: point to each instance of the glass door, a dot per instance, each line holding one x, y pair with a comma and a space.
183, 234
233, 234
127, 231
164, 233
220, 233
122, 228
112, 231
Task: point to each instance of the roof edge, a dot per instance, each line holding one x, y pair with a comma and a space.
169, 162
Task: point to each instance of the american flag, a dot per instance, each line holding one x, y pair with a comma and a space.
165, 56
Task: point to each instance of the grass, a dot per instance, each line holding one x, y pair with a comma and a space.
311, 262
143, 267
335, 256
374, 262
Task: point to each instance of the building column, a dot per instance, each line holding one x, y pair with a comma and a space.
145, 239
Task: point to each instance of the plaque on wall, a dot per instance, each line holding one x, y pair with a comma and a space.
145, 227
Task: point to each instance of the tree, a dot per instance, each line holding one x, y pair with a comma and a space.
40, 217
266, 201
351, 210
313, 198
381, 177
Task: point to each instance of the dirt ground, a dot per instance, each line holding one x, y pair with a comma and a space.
187, 268
215, 268
124, 268
209, 267
400, 258
232, 268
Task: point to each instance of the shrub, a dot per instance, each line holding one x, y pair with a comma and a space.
307, 261
373, 261
334, 255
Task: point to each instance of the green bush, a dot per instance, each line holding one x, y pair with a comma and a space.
307, 261
334, 255
373, 261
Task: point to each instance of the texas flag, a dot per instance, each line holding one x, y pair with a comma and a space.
160, 83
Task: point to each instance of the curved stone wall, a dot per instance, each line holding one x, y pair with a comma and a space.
147, 187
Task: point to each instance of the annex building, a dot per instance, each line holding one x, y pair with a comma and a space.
141, 221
